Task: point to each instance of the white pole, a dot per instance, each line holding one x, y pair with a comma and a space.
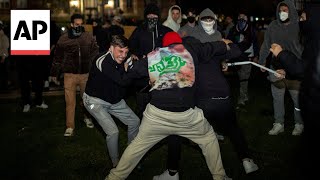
253, 63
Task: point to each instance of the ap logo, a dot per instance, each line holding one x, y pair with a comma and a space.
30, 32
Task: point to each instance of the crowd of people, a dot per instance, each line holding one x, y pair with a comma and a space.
176, 71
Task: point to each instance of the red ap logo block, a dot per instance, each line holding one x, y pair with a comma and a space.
30, 32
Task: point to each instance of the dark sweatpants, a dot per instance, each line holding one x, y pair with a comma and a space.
31, 69
221, 115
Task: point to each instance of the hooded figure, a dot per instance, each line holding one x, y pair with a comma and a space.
284, 31
148, 36
207, 30
174, 18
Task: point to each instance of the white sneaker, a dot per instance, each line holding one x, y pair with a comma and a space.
277, 128
249, 166
42, 106
298, 129
26, 108
88, 122
68, 132
166, 176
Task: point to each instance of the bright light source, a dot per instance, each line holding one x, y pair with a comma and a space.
257, 19
74, 3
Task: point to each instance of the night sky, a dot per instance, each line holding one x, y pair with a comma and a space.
252, 7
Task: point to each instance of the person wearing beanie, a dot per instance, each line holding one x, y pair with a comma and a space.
144, 39
174, 18
172, 109
214, 98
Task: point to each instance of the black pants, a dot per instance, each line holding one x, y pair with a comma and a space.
143, 98
221, 115
31, 70
3, 75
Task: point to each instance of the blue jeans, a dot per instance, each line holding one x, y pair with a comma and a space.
102, 111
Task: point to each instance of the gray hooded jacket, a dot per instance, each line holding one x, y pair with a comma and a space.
199, 32
285, 35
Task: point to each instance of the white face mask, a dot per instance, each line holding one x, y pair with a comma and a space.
283, 16
208, 26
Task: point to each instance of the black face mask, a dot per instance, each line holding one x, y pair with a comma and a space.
191, 19
152, 23
77, 31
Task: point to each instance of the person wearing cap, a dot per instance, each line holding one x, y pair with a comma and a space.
144, 39
172, 71
174, 18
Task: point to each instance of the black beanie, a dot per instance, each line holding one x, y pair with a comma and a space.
152, 8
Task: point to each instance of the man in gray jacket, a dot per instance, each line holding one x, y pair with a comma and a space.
285, 32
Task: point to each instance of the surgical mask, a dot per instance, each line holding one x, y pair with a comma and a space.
77, 31
152, 23
208, 26
283, 16
191, 19
242, 24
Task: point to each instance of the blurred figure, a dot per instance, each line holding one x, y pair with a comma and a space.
174, 18
116, 27
55, 33
31, 68
74, 53
308, 69
4, 47
227, 26
243, 34
187, 29
102, 35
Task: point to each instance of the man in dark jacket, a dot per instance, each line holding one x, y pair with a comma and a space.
73, 56
143, 40
104, 94
172, 111
308, 70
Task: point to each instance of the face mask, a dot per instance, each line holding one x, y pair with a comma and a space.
152, 23
208, 26
283, 16
77, 31
242, 24
191, 19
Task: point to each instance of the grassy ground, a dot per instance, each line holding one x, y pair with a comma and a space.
33, 146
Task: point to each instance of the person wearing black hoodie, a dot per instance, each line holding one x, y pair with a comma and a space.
214, 98
172, 111
308, 70
143, 40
